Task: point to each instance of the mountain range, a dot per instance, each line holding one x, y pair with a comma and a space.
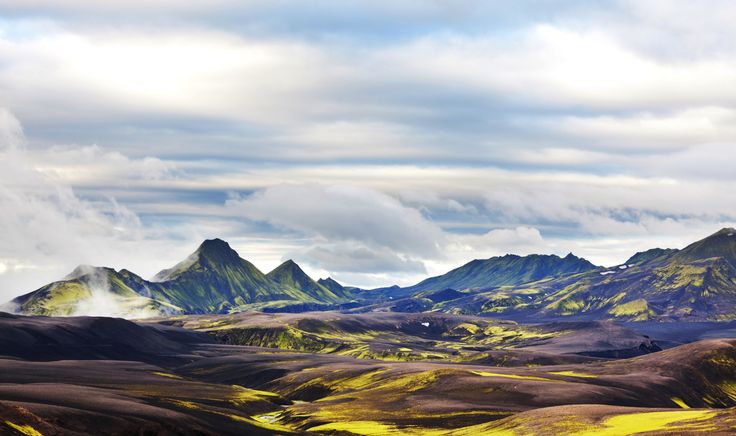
213, 279
694, 283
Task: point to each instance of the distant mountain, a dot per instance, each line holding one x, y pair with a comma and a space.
334, 286
646, 256
290, 275
506, 270
96, 290
695, 283
213, 279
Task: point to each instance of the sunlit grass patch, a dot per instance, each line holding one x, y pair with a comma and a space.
633, 423
23, 429
512, 376
167, 375
573, 374
363, 428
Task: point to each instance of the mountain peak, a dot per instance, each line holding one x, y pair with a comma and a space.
85, 270
290, 275
217, 251
332, 285
720, 244
288, 267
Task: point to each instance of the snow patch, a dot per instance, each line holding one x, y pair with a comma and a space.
623, 267
605, 273
425, 324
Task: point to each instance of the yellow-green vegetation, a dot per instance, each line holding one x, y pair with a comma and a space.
636, 308
729, 388
241, 395
569, 304
361, 428
269, 418
186, 404
23, 429
513, 376
633, 423
280, 429
167, 375
670, 422
573, 374
373, 339
680, 402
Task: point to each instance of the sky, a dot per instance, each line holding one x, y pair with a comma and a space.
377, 142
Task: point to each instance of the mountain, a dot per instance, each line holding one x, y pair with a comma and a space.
334, 286
646, 256
97, 290
290, 275
508, 270
721, 244
696, 283
213, 279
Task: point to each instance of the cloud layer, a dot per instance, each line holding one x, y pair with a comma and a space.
374, 141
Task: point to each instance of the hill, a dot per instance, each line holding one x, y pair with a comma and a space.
502, 271
290, 275
696, 283
95, 290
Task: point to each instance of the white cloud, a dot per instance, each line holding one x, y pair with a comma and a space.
47, 230
343, 213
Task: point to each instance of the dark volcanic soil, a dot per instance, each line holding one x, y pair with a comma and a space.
112, 376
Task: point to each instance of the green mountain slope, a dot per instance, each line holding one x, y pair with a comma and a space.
646, 256
95, 290
695, 283
335, 287
289, 275
215, 279
504, 271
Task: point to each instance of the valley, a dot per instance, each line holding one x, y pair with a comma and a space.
376, 373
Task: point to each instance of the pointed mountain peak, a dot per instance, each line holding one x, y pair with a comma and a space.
291, 274
217, 253
728, 231
86, 270
211, 254
217, 249
291, 268
331, 284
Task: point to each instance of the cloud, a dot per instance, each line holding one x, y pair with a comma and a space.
343, 213
361, 233
47, 229
94, 166
426, 133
